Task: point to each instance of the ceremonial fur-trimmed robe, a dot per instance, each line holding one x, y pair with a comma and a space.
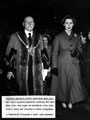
22, 59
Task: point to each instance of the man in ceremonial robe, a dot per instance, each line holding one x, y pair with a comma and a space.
24, 56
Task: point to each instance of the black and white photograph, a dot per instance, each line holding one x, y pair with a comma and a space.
45, 59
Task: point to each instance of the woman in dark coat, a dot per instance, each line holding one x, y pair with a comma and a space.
46, 60
66, 79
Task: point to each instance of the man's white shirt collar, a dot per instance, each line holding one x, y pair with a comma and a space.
27, 33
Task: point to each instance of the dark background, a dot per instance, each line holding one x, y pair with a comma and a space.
47, 15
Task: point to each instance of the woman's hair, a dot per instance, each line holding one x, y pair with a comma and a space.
48, 37
68, 17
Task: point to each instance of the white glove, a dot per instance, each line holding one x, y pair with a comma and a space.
9, 75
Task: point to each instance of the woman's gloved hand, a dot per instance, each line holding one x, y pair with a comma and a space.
54, 71
74, 54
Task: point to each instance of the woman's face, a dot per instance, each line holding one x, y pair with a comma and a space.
68, 24
45, 40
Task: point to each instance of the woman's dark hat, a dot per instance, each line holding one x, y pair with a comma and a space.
68, 17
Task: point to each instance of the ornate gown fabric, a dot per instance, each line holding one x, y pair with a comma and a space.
67, 86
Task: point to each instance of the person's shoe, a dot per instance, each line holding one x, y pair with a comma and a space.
64, 105
70, 106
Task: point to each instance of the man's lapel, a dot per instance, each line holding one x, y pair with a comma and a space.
24, 37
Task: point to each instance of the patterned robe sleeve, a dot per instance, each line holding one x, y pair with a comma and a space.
10, 52
11, 44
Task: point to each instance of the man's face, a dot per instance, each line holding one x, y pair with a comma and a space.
68, 24
29, 23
